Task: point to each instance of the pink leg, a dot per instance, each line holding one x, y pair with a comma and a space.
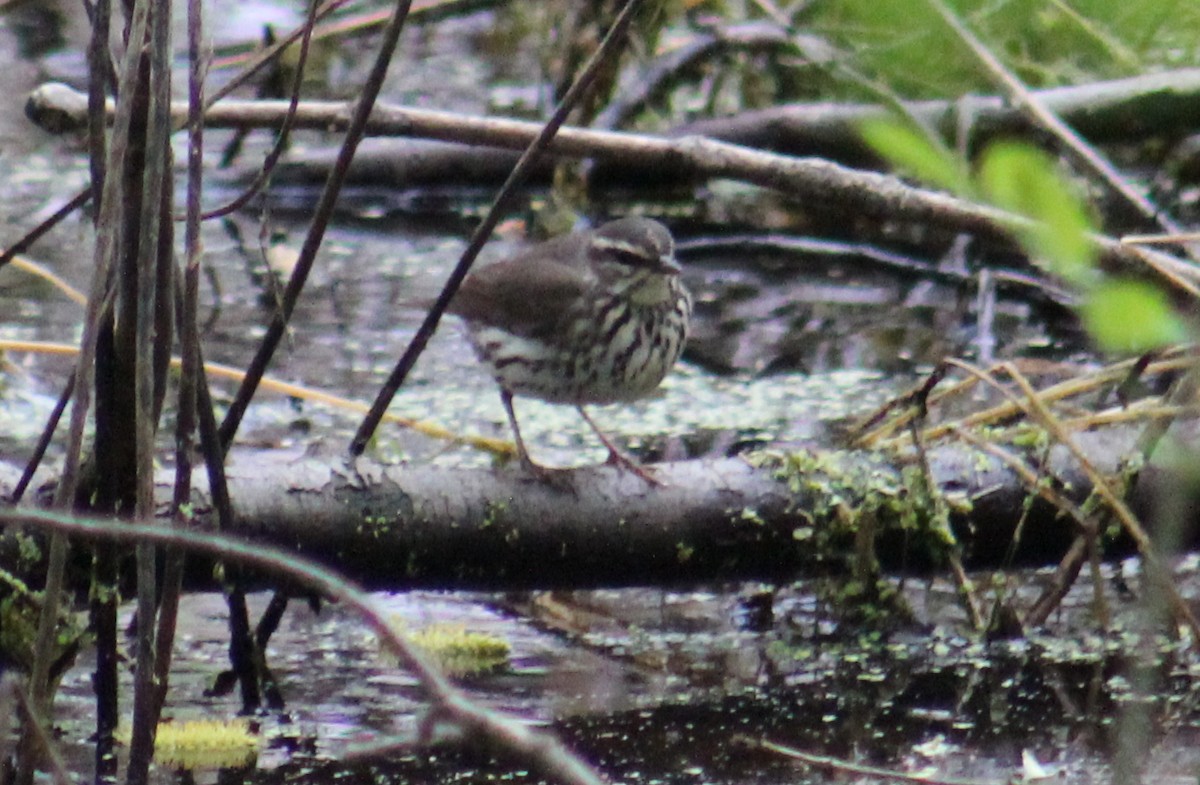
522, 454
618, 458
556, 477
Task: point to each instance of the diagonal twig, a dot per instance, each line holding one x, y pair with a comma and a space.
537, 749
1032, 106
316, 233
603, 54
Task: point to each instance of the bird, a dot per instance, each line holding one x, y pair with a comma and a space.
597, 316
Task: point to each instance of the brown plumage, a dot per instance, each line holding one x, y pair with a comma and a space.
591, 317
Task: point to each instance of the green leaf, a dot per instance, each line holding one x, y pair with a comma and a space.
912, 152
1023, 180
1129, 317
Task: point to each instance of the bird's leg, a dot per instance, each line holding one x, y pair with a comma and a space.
542, 473
522, 454
618, 458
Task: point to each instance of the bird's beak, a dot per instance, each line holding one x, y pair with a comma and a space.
668, 265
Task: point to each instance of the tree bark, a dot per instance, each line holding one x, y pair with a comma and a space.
403, 527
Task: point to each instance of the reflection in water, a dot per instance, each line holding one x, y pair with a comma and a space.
37, 27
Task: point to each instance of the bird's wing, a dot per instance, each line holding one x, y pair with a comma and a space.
524, 296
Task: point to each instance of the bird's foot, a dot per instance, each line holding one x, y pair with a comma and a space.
562, 479
626, 463
618, 458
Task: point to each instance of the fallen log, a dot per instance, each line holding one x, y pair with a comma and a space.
771, 516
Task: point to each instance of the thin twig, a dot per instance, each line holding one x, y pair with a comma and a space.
1129, 522
44, 439
1172, 361
321, 215
103, 78
281, 139
241, 642
45, 740
157, 179
1068, 568
107, 242
1083, 152
189, 340
600, 58
941, 517
811, 180
831, 763
523, 741
259, 59
495, 446
37, 232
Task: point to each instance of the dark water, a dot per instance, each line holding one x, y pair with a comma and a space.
679, 686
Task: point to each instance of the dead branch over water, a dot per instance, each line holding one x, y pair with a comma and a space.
401, 527
812, 180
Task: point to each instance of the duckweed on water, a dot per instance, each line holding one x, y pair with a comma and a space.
202, 744
459, 651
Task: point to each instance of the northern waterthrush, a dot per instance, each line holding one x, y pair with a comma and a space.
597, 316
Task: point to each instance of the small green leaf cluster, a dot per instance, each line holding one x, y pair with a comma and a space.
1057, 230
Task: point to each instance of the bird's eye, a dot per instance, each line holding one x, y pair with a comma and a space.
631, 258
